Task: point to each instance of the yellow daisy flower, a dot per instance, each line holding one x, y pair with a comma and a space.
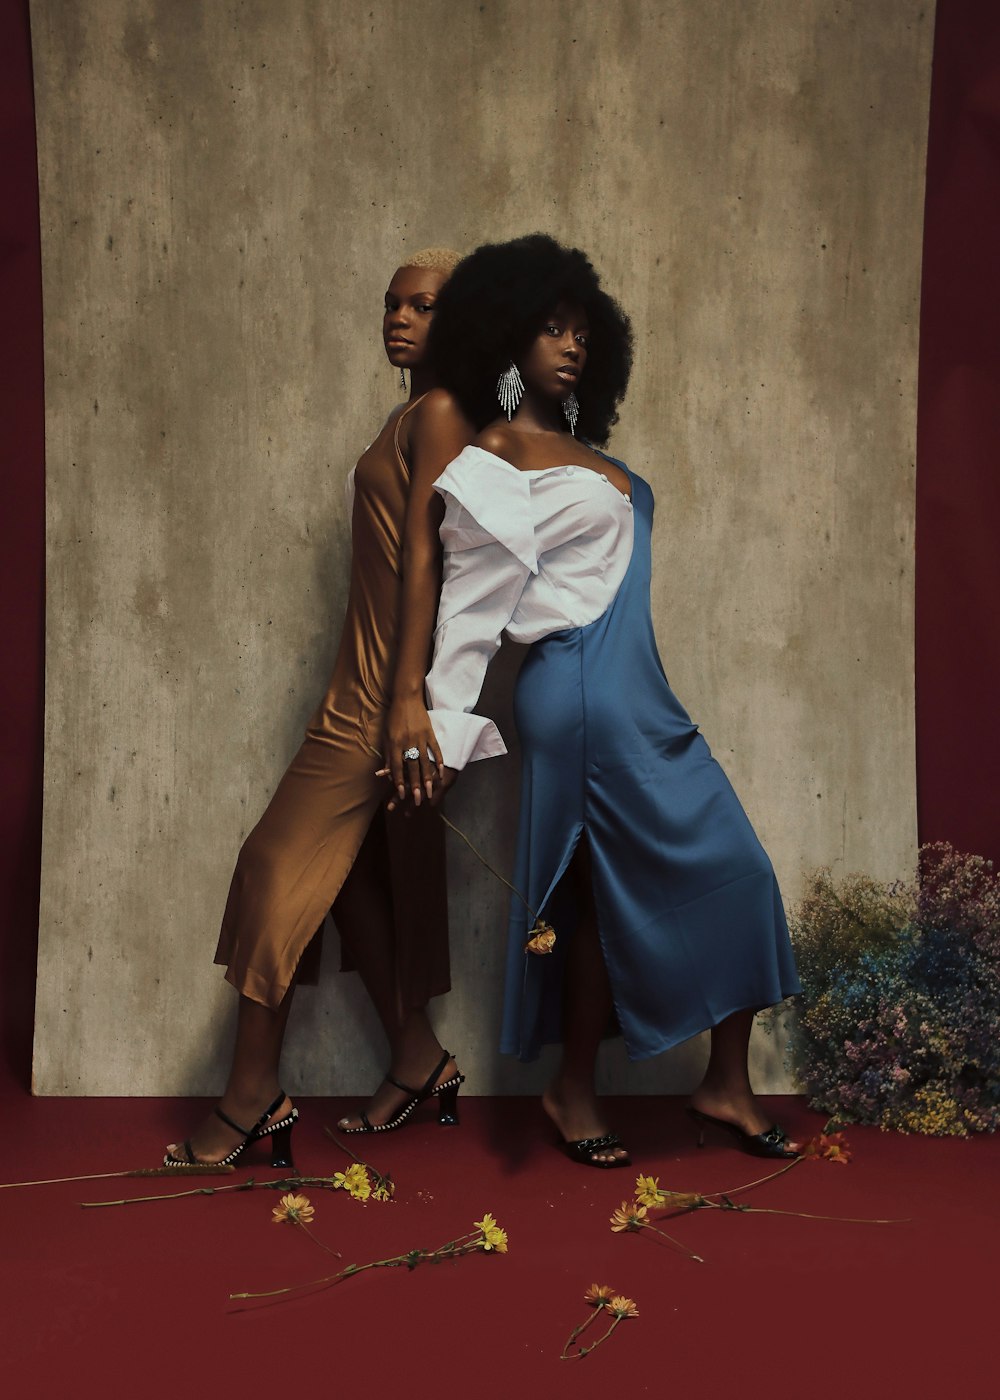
628, 1216
493, 1236
354, 1181
295, 1209
622, 1307
647, 1190
598, 1293
384, 1188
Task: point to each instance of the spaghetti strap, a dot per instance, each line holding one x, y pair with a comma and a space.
395, 434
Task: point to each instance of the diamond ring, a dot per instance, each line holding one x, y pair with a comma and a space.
411, 754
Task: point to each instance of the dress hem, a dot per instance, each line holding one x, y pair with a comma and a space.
669, 1043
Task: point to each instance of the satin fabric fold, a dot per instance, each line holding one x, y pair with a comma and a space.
329, 804
689, 912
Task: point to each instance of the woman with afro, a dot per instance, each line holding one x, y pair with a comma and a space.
631, 842
325, 839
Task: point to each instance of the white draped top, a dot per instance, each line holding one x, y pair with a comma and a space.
528, 553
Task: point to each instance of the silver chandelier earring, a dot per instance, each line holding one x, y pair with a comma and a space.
571, 408
510, 390
402, 379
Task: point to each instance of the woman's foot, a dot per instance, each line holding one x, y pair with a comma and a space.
740, 1109
577, 1116
214, 1140
388, 1098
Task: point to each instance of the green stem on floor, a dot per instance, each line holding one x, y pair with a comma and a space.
408, 1260
585, 1351
676, 1243
578, 1331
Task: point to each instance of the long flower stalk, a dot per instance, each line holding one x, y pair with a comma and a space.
487, 1237
285, 1183
168, 1196
482, 859
198, 1169
539, 926
409, 1260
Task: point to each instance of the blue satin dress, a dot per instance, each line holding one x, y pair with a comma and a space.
689, 913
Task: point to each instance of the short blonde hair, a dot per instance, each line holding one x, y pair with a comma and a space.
439, 259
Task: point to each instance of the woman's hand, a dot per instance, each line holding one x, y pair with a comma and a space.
408, 726
445, 779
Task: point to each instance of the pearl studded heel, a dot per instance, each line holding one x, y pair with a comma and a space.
446, 1095
280, 1133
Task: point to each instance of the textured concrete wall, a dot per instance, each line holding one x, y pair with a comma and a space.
226, 188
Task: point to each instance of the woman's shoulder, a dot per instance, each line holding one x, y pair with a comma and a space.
497, 439
439, 408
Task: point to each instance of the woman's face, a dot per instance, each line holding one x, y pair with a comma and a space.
409, 310
555, 362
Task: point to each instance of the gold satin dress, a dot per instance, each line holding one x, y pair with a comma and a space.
329, 804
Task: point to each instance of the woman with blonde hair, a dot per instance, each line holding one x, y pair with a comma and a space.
325, 842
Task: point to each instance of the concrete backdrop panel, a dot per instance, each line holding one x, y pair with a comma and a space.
225, 190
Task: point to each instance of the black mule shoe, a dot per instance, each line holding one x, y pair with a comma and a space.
773, 1143
584, 1148
446, 1095
280, 1133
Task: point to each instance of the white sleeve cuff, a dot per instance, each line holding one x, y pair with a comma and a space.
464, 738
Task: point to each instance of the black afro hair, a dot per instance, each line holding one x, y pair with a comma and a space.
494, 304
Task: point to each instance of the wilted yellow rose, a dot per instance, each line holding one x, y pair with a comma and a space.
541, 938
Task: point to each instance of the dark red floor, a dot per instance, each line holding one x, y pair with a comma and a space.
133, 1301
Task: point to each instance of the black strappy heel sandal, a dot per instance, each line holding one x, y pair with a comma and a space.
584, 1148
280, 1133
772, 1143
446, 1095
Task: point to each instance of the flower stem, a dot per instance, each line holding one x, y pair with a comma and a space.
676, 1243
199, 1170
585, 1351
305, 1229
806, 1215
477, 853
760, 1180
168, 1196
410, 1259
576, 1332
344, 1147
482, 859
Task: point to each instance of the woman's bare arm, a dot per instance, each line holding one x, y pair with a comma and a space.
437, 432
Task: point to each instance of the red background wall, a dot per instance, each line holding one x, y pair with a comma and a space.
958, 440
958, 482
22, 545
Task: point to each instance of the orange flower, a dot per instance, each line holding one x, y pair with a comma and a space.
622, 1307
542, 938
628, 1216
598, 1293
828, 1147
295, 1209
834, 1148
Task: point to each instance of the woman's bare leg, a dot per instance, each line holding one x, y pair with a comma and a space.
570, 1100
253, 1078
725, 1091
364, 916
